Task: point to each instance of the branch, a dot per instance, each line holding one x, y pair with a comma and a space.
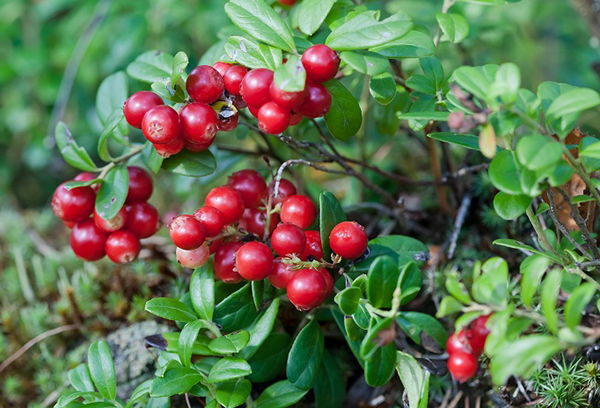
585, 233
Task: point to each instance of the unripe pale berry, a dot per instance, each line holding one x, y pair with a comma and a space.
194, 258
114, 224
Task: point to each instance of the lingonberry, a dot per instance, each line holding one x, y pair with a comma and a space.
142, 219
161, 125
254, 261
285, 189
212, 220
281, 274
69, 224
214, 245
137, 105
187, 232
314, 247
273, 119
227, 124
462, 366
295, 118
74, 204
222, 67
227, 200
254, 110
288, 239
198, 123
289, 100
194, 258
224, 263
321, 63
329, 280
193, 147
140, 185
299, 210
287, 2
255, 221
85, 176
123, 246
477, 334
170, 149
251, 185
239, 102
317, 103
458, 343
204, 84
307, 289
233, 79
114, 224
88, 241
255, 86
348, 239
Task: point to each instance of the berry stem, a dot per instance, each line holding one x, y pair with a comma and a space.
135, 150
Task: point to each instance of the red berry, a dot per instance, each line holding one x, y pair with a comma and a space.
317, 103
255, 221
321, 63
273, 119
222, 67
170, 149
137, 105
198, 123
227, 124
194, 258
307, 289
288, 239
329, 280
289, 100
233, 79
251, 185
314, 247
458, 343
204, 84
348, 239
286, 189
299, 210
123, 246
462, 366
255, 86
142, 219
478, 334
161, 125
140, 185
193, 147
254, 110
239, 102
212, 220
187, 232
281, 275
75, 204
295, 118
225, 262
254, 261
227, 200
88, 241
215, 245
114, 224
85, 176
287, 2
69, 224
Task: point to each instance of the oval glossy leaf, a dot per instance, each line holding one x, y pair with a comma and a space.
229, 368
73, 154
261, 329
415, 44
202, 292
232, 394
511, 207
232, 343
331, 214
380, 368
170, 309
532, 269
252, 54
412, 377
176, 380
536, 152
236, 311
401, 248
191, 164
280, 395
366, 62
291, 76
186, 341
382, 88
151, 66
330, 389
314, 13
415, 323
269, 361
377, 337
102, 369
112, 94
548, 297
80, 378
348, 300
113, 192
110, 126
504, 173
577, 303
344, 119
383, 281
454, 26
573, 101
305, 356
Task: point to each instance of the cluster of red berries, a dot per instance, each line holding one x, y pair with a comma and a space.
240, 218
92, 236
465, 347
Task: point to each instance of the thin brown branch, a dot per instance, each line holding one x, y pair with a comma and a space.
585, 233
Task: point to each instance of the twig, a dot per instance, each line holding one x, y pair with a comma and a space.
585, 233
458, 223
539, 231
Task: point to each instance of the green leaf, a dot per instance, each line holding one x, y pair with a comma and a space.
252, 54
330, 390
200, 346
536, 152
191, 164
456, 289
151, 66
415, 324
280, 395
412, 377
507, 82
331, 214
236, 311
313, 14
344, 119
464, 140
548, 297
73, 154
492, 286
573, 101
112, 94
80, 378
589, 153
504, 173
180, 63
65, 400
474, 80
291, 76
542, 208
532, 269
232, 394
379, 369
113, 192
229, 368
102, 369
186, 341
577, 303
448, 306
305, 356
512, 243
271, 357
364, 31
202, 292
401, 248
455, 26
372, 341
383, 281
230, 344
176, 380
259, 20
152, 159
140, 391
366, 62
348, 300
511, 207
170, 309
261, 329
415, 44
383, 88
437, 116
111, 125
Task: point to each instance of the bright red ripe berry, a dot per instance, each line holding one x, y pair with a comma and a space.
321, 63
227, 124
140, 185
194, 258
205, 84
299, 210
187, 232
314, 247
137, 105
307, 289
225, 262
142, 219
255, 221
254, 110
255, 86
317, 103
69, 224
161, 125
212, 220
348, 239
458, 343
114, 224
329, 280
75, 204
286, 189
88, 241
462, 366
170, 149
193, 147
214, 245
227, 200
251, 185
85, 176
123, 246
477, 334
295, 118
281, 275
288, 239
287, 2
254, 261
198, 123
289, 100
233, 79
273, 119
222, 67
